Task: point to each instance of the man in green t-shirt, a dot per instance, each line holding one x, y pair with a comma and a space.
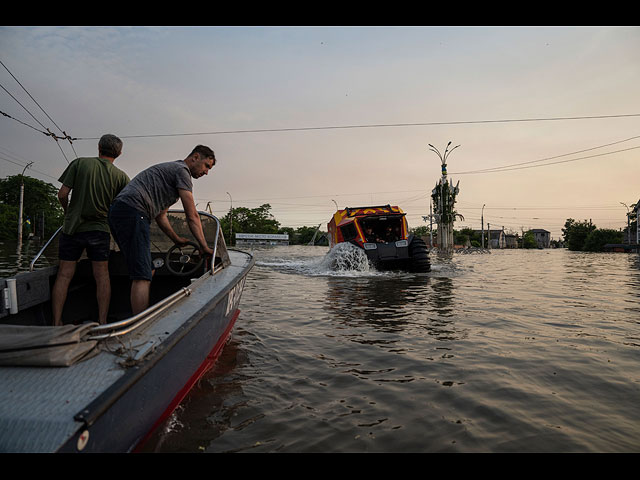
93, 183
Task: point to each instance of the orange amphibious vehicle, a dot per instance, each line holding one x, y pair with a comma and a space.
383, 233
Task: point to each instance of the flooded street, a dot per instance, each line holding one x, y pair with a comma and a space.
513, 351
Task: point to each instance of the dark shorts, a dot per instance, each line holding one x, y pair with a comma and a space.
130, 229
70, 247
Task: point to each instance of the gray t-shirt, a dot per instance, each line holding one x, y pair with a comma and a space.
156, 188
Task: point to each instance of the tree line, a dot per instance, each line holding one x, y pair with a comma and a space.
261, 220
42, 213
473, 238
585, 236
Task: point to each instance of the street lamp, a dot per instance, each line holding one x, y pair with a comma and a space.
445, 224
21, 203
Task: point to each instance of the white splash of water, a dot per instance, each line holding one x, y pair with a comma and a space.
346, 258
343, 259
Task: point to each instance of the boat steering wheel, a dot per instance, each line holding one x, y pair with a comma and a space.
185, 261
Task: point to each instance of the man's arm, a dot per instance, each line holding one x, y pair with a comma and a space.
193, 220
63, 197
165, 226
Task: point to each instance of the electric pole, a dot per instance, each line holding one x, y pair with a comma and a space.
230, 218
482, 221
21, 204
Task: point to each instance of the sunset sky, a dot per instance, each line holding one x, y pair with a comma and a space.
300, 117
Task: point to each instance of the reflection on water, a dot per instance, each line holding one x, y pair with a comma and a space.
15, 258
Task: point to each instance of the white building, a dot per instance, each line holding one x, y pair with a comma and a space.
543, 237
248, 239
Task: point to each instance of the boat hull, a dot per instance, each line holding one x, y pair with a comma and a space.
147, 395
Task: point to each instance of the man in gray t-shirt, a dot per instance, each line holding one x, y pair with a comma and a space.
157, 187
147, 197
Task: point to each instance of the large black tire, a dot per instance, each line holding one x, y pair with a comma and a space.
419, 256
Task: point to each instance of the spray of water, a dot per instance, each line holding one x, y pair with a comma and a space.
343, 259
346, 258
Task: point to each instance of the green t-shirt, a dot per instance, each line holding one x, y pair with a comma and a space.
94, 183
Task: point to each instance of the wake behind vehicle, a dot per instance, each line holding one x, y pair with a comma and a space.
383, 233
85, 387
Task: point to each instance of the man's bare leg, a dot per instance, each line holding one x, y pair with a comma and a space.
103, 289
66, 269
140, 295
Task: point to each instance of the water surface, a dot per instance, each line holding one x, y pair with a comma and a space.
513, 351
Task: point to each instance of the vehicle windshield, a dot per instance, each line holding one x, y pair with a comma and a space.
381, 229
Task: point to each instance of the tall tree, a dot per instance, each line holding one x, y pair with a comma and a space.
249, 220
575, 233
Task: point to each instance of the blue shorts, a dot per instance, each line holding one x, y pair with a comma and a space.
130, 229
70, 247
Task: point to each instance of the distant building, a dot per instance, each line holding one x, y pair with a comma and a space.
543, 237
511, 240
495, 238
248, 239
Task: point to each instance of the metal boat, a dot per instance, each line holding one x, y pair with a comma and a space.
86, 387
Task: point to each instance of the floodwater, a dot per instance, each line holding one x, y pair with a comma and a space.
512, 351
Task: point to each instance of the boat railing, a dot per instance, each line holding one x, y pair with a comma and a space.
39, 254
115, 329
215, 240
123, 327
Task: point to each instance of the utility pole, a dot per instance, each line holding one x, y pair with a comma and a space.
21, 204
488, 235
482, 221
430, 224
430, 217
230, 218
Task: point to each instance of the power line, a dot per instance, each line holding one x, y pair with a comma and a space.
33, 169
380, 125
548, 158
49, 133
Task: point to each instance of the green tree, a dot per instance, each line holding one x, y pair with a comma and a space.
304, 235
421, 231
250, 220
598, 238
575, 233
529, 240
40, 198
469, 234
289, 231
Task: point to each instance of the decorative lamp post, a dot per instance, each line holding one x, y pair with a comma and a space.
444, 199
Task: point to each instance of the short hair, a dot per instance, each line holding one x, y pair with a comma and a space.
110, 146
205, 152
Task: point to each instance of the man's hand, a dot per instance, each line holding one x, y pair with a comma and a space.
206, 250
181, 241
